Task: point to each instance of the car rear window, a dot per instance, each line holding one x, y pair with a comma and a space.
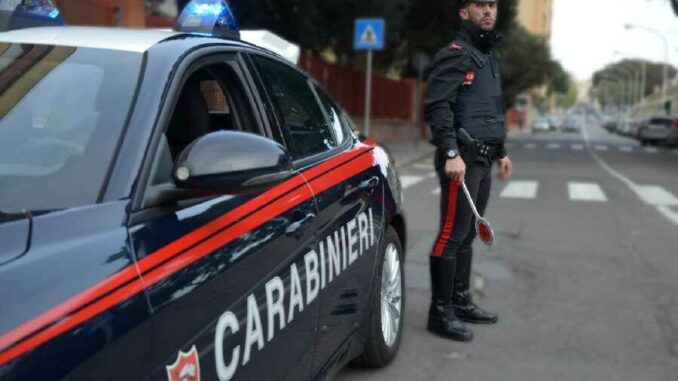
665, 122
62, 110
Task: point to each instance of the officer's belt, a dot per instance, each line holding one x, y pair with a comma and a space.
490, 151
477, 147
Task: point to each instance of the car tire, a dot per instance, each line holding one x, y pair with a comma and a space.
382, 343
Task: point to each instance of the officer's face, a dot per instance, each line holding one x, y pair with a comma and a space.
482, 14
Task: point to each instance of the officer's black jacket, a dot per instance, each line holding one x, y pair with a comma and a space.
449, 68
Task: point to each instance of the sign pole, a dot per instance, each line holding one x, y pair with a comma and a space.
369, 36
368, 92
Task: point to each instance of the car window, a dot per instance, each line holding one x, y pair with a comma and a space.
664, 122
62, 111
217, 101
333, 113
297, 108
211, 99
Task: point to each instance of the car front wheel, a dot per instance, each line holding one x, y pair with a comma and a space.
388, 305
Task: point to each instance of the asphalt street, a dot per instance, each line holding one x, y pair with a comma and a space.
584, 271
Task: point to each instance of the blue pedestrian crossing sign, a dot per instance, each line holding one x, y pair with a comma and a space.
369, 34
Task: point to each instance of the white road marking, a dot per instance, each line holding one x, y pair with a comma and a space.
600, 147
626, 148
520, 189
423, 166
530, 146
436, 192
585, 192
651, 150
656, 195
577, 147
663, 209
409, 181
553, 146
668, 213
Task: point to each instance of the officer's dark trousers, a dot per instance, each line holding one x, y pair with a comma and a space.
457, 222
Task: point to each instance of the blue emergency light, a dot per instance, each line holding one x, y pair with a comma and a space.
212, 17
15, 14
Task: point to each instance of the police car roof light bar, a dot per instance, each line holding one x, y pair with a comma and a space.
213, 17
20, 14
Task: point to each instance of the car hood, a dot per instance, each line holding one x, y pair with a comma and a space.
15, 236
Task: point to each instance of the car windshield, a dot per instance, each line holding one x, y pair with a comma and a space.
62, 110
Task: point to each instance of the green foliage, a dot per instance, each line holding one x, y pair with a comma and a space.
569, 98
413, 26
525, 63
611, 82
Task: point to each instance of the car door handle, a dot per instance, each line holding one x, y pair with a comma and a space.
299, 224
372, 182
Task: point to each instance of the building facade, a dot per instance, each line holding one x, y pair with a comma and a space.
536, 16
125, 13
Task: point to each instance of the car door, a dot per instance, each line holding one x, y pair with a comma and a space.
347, 186
223, 272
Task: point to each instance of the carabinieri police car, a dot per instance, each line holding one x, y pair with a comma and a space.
184, 205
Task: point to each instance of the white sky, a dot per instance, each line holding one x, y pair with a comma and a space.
586, 33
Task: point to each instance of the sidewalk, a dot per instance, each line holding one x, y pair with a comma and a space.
406, 153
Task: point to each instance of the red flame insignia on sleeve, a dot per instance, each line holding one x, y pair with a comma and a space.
470, 76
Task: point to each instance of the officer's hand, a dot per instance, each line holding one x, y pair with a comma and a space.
455, 169
505, 168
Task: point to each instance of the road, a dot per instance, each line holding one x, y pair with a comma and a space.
584, 271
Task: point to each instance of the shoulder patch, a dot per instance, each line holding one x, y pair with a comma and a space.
456, 47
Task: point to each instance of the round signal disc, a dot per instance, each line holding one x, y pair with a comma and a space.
485, 232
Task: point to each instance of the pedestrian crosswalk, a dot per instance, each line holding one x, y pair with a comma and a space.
597, 147
521, 190
574, 191
585, 192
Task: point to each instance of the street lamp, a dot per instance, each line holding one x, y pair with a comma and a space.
616, 77
629, 80
666, 54
631, 77
642, 80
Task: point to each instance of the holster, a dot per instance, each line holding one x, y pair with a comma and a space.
470, 149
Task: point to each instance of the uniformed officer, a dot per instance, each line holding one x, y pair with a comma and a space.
465, 111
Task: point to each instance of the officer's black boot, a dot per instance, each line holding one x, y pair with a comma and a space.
441, 318
464, 308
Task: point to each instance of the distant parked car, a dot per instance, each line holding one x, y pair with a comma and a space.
654, 130
571, 124
672, 137
611, 126
541, 125
554, 122
627, 127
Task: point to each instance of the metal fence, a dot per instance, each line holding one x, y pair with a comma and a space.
391, 98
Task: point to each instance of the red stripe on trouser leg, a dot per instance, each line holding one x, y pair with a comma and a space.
448, 225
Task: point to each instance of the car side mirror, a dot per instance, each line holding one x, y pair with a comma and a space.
232, 162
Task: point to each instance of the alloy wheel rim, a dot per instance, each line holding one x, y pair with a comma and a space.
391, 296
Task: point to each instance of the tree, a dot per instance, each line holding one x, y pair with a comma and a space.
413, 26
525, 63
654, 76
